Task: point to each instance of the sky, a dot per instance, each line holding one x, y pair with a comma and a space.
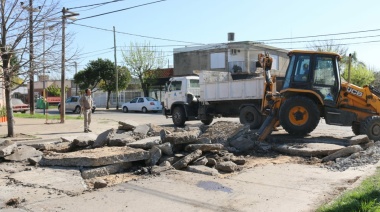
169, 24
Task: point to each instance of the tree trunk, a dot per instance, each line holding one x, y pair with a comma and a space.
7, 88
108, 99
145, 88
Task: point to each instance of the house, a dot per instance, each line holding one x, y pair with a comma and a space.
236, 57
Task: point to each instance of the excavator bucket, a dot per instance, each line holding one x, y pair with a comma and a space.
267, 127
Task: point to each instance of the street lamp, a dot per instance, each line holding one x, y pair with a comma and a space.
43, 61
70, 15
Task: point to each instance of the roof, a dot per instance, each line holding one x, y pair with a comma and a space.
240, 44
164, 73
312, 52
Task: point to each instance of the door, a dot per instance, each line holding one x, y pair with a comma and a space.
140, 104
174, 93
132, 104
326, 80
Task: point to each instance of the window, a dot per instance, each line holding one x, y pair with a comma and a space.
218, 60
194, 83
141, 100
302, 69
275, 63
324, 71
134, 100
289, 72
175, 86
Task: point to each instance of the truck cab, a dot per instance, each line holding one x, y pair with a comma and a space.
180, 97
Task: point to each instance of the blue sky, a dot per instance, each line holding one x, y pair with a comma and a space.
208, 21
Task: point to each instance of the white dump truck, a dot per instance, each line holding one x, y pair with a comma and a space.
214, 94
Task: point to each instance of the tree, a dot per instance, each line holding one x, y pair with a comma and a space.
16, 20
360, 75
101, 74
142, 60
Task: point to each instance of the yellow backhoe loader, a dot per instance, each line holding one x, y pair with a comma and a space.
313, 89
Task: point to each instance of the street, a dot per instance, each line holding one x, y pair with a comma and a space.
266, 183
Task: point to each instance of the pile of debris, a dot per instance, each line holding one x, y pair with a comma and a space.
151, 148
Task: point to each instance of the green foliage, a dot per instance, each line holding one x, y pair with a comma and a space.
101, 73
108, 79
142, 60
53, 90
366, 197
3, 111
360, 75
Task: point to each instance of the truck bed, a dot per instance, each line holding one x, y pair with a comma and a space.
219, 86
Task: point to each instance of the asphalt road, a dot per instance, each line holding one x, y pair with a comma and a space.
139, 117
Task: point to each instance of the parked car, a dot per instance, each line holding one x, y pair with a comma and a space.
19, 106
143, 104
72, 105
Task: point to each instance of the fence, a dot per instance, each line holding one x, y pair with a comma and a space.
100, 97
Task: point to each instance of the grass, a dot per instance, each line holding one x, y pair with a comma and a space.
366, 197
42, 116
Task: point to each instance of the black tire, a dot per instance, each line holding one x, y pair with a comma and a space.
125, 109
208, 121
371, 128
178, 116
299, 115
144, 110
77, 110
250, 115
356, 128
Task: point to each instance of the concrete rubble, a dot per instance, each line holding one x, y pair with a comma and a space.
148, 149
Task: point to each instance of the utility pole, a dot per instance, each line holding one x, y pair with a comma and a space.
63, 93
116, 72
43, 67
63, 99
31, 59
76, 85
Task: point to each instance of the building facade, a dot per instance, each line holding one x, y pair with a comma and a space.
234, 57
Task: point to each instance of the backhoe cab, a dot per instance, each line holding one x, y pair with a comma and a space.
313, 89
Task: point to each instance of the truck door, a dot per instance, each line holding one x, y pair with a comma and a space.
174, 93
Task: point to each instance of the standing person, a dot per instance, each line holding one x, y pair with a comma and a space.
86, 103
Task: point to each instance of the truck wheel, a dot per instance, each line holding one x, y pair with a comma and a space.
249, 115
208, 121
178, 116
299, 115
371, 128
356, 128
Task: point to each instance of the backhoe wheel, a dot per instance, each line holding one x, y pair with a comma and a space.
356, 128
178, 116
207, 121
371, 128
299, 115
250, 115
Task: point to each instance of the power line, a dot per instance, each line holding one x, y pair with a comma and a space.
313, 36
128, 8
350, 38
101, 4
143, 36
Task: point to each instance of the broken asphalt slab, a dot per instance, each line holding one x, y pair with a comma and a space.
67, 181
94, 157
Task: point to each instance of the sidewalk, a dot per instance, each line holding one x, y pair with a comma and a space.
38, 129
